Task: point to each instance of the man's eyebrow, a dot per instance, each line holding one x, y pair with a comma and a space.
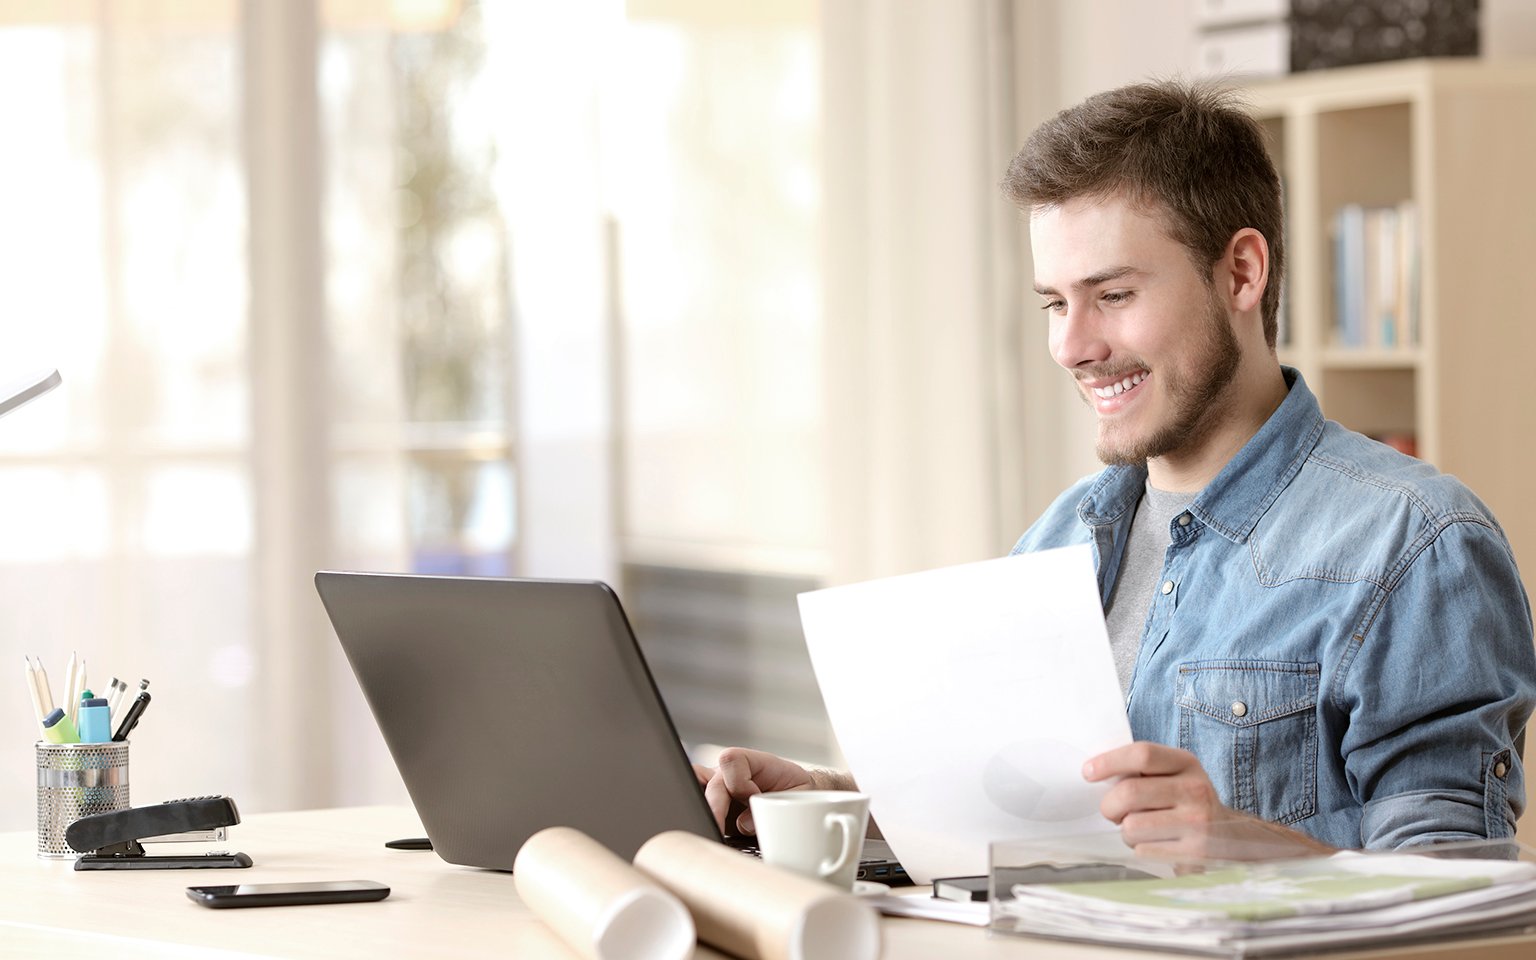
1093, 279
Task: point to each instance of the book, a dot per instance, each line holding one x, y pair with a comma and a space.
961, 889
1376, 276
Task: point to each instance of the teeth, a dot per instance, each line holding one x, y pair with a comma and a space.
1115, 389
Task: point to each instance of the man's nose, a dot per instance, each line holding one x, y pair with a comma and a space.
1077, 338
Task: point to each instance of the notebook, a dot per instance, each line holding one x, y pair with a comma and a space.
512, 705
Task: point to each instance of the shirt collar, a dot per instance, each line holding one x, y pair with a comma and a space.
1233, 502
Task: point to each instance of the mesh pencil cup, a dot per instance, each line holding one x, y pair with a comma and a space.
75, 780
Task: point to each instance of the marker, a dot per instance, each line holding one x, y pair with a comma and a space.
95, 721
57, 728
135, 710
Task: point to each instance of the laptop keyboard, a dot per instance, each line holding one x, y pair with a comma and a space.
879, 869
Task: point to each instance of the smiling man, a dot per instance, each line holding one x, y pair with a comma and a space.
1323, 643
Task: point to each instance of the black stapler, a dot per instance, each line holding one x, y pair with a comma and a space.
110, 841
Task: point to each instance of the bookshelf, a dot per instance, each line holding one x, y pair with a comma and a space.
1458, 139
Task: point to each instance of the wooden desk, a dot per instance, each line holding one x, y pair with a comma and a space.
436, 909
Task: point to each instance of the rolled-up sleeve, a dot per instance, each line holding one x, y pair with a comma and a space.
1440, 682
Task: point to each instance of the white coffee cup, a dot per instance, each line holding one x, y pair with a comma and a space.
818, 833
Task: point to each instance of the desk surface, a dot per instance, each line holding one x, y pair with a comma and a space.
48, 909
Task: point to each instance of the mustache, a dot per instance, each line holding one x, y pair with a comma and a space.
1118, 371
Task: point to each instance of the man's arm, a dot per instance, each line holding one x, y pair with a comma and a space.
1437, 694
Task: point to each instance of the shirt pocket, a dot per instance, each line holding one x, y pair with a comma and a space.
1253, 726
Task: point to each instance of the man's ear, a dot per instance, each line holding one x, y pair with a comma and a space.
1247, 261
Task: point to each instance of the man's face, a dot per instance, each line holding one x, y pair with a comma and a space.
1141, 330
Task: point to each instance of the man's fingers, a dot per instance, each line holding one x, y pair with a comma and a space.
1139, 759
738, 772
1155, 826
703, 774
741, 774
749, 772
1191, 850
1140, 794
719, 799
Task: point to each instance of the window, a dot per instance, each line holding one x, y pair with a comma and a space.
566, 293
126, 494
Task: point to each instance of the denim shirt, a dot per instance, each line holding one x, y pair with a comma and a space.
1340, 635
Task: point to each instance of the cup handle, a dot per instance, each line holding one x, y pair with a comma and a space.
849, 824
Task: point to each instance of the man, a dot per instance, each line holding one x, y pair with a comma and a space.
1324, 643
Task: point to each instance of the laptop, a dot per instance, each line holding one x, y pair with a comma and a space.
512, 705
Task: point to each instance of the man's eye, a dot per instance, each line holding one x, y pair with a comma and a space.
1118, 296
1053, 306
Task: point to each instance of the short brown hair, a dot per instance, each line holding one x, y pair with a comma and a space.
1190, 149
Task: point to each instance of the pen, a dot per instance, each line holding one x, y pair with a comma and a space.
115, 696
135, 710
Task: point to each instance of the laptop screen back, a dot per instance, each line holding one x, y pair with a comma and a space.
514, 705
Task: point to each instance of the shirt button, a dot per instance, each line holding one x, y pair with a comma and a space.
1499, 769
1239, 708
1183, 519
1167, 587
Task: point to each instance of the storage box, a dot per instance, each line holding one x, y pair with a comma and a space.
1266, 38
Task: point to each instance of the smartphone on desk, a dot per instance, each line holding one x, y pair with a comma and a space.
287, 894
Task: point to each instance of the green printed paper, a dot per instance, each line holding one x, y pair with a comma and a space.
1259, 894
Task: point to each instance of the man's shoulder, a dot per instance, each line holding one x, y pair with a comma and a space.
1360, 510
1366, 476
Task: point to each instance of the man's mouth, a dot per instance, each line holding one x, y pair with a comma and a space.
1108, 391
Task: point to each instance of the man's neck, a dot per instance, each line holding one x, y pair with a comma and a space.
1253, 397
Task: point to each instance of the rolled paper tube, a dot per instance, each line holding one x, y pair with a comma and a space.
601, 906
759, 912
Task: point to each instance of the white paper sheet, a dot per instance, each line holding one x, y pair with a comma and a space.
966, 700
975, 913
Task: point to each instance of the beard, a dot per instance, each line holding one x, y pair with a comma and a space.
1195, 410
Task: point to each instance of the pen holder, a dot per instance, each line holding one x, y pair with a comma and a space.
75, 780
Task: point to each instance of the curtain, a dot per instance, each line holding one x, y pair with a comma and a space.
922, 374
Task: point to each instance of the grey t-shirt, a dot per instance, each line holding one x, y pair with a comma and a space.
1140, 570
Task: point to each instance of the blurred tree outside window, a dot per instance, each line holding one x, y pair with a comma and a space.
418, 289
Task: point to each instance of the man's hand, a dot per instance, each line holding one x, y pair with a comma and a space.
1166, 807
741, 773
